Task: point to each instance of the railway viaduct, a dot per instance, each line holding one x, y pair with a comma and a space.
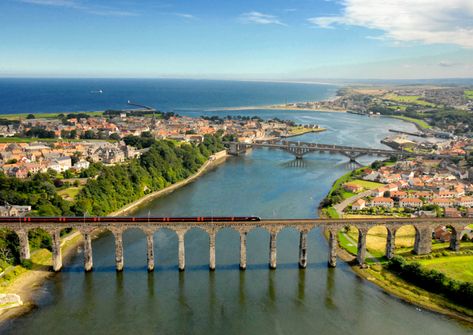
423, 239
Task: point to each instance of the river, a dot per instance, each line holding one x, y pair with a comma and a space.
267, 183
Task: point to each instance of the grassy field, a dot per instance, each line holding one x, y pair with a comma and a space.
331, 213
420, 123
346, 244
469, 94
376, 238
44, 115
456, 267
69, 193
298, 130
368, 185
408, 99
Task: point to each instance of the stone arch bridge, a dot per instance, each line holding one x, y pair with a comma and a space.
423, 239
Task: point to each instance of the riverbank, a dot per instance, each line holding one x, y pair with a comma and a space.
26, 283
396, 286
405, 291
277, 107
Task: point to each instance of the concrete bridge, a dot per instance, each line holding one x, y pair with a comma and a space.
299, 149
423, 239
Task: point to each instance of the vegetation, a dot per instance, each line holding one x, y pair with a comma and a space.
456, 267
469, 94
108, 189
421, 123
46, 115
410, 99
434, 281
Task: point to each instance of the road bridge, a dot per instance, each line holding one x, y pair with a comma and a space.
424, 228
299, 149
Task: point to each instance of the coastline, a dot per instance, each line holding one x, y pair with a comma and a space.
276, 107
27, 283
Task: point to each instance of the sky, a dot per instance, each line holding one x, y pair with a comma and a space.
305, 40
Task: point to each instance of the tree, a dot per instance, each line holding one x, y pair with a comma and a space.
114, 136
30, 117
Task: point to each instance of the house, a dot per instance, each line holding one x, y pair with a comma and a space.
14, 210
464, 202
446, 194
81, 165
442, 202
378, 192
358, 205
469, 213
410, 203
399, 194
382, 202
452, 213
442, 234
352, 187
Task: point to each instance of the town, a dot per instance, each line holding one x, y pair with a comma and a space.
71, 142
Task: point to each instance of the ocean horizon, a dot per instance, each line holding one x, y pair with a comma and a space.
55, 95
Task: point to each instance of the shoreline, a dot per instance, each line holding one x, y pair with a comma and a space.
400, 289
276, 107
27, 283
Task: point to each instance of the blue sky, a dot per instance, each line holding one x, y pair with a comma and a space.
266, 40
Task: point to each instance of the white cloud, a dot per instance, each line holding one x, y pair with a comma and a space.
75, 4
426, 21
260, 18
186, 16
58, 3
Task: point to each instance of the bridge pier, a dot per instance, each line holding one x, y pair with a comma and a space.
56, 252
88, 259
272, 250
332, 248
181, 251
243, 235
361, 252
390, 242
24, 244
119, 262
455, 239
423, 241
150, 251
212, 236
303, 250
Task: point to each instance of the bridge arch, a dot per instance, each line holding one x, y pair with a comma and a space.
405, 239
134, 243
288, 240
197, 247
227, 253
377, 241
165, 242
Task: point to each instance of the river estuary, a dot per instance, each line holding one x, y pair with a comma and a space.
265, 183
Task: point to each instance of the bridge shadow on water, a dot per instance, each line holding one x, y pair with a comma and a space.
194, 268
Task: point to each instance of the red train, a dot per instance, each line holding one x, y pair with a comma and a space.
106, 219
